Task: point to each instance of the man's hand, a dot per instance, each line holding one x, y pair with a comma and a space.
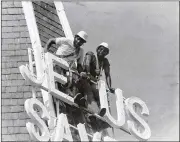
83, 75
97, 71
112, 90
45, 50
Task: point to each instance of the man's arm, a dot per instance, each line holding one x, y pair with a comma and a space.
87, 64
87, 61
80, 61
108, 76
49, 43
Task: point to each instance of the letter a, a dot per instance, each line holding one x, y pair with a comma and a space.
62, 129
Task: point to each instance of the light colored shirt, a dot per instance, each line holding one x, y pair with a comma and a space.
65, 47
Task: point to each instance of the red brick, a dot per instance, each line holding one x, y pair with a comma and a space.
20, 76
12, 64
20, 11
24, 34
3, 89
22, 22
5, 71
14, 70
4, 41
6, 123
6, 102
6, 29
6, 83
20, 29
4, 46
24, 58
17, 130
17, 82
14, 102
9, 138
4, 11
13, 76
4, 130
23, 130
11, 116
20, 101
28, 40
8, 53
17, 4
6, 95
17, 108
3, 77
3, 65
11, 89
24, 89
10, 46
10, 35
10, 130
19, 122
23, 115
21, 40
23, 137
7, 4
17, 95
21, 52
6, 109
12, 17
10, 23
14, 11
28, 95
25, 46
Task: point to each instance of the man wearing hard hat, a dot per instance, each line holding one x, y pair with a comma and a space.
71, 51
93, 66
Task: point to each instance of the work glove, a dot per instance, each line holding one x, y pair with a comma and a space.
83, 75
112, 90
97, 72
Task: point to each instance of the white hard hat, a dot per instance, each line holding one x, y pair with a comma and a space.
104, 44
83, 35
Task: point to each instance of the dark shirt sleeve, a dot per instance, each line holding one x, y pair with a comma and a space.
106, 63
87, 61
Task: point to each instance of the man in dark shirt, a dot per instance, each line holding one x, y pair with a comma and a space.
93, 66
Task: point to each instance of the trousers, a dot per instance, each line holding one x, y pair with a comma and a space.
90, 94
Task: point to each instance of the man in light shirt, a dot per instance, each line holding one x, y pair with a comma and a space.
71, 51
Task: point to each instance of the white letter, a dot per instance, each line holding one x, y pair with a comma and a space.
30, 104
62, 129
145, 135
119, 105
82, 132
54, 76
106, 138
97, 137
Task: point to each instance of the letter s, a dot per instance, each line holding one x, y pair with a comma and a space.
30, 105
130, 102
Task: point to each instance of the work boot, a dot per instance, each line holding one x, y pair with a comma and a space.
77, 98
83, 102
92, 118
102, 112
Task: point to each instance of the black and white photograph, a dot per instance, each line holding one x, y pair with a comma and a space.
89, 70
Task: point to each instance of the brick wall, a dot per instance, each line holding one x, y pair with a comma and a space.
15, 41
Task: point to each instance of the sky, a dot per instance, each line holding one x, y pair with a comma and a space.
143, 38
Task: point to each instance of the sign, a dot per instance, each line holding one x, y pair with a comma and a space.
62, 131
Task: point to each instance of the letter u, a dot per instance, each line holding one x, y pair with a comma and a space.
119, 106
